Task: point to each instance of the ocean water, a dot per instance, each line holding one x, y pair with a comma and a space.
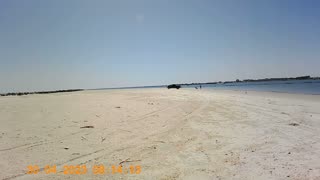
290, 86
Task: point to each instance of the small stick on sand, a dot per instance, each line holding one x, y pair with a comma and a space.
84, 138
102, 139
127, 160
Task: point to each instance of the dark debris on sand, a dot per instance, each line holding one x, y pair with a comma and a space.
294, 124
87, 127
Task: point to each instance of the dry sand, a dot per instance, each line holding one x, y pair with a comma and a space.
171, 134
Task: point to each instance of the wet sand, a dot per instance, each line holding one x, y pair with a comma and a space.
170, 134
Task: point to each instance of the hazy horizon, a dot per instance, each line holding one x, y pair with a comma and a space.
50, 45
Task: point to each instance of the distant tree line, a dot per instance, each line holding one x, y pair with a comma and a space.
281, 79
256, 80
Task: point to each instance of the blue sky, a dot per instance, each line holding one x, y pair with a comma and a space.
60, 44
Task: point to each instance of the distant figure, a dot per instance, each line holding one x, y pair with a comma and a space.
200, 87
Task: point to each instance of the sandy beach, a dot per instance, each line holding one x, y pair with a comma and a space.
169, 134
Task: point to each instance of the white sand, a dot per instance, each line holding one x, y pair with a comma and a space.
171, 134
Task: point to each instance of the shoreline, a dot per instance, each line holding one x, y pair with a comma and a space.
206, 89
261, 92
224, 86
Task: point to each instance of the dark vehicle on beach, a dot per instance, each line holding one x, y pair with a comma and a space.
174, 86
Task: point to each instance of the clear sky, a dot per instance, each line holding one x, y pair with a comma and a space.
62, 44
